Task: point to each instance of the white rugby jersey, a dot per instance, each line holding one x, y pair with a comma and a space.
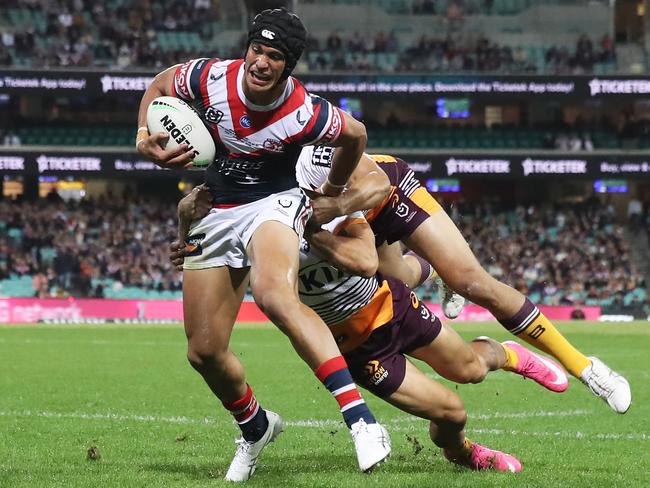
257, 146
331, 293
313, 166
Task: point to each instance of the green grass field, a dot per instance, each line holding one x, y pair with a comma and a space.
128, 392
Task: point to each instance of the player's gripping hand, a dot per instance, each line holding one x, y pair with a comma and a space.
152, 148
325, 208
177, 254
195, 205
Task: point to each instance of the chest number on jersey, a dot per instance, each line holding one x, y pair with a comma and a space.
322, 156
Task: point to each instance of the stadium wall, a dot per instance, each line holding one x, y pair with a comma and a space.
32, 311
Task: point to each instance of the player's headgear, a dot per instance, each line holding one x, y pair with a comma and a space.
281, 30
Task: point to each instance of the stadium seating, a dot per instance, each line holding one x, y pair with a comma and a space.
157, 39
423, 137
131, 262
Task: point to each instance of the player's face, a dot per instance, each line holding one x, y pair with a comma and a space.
264, 66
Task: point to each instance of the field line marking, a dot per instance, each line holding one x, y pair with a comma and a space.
395, 425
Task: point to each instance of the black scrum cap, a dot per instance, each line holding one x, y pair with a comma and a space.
281, 30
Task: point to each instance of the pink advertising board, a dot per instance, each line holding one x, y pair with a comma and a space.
32, 310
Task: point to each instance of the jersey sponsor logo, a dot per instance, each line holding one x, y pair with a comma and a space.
273, 145
214, 77
193, 245
268, 34
334, 129
285, 202
318, 278
181, 79
213, 115
402, 210
322, 156
241, 165
299, 120
376, 372
245, 122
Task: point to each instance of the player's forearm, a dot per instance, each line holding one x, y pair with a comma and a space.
183, 229
365, 193
184, 212
351, 145
346, 253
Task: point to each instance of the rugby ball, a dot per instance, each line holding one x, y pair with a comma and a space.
184, 125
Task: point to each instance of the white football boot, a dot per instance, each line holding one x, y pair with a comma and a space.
245, 460
371, 442
452, 302
608, 385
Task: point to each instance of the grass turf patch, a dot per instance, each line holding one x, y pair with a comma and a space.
120, 406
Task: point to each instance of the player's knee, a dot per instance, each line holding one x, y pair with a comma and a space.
472, 371
467, 367
277, 303
475, 284
205, 355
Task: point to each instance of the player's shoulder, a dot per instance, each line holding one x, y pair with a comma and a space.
200, 64
384, 158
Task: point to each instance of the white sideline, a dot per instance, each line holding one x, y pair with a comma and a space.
394, 424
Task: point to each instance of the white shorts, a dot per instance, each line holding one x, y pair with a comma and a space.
221, 237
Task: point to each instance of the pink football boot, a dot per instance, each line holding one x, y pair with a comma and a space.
484, 458
544, 371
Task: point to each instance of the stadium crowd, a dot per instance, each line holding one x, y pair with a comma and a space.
78, 249
558, 255
562, 255
65, 33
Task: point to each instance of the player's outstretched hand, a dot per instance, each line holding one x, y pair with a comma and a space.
152, 149
195, 205
177, 254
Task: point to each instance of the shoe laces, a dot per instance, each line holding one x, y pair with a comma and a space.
243, 446
601, 384
358, 427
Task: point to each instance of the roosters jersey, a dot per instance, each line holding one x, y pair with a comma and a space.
331, 293
257, 146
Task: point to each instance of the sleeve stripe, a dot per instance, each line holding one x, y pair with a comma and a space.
321, 122
192, 80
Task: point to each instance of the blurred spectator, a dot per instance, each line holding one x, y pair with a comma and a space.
10, 138
634, 213
79, 33
68, 247
573, 255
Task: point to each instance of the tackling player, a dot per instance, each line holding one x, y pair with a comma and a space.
260, 117
377, 320
411, 215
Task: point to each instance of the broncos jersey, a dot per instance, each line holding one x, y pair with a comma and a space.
257, 146
331, 293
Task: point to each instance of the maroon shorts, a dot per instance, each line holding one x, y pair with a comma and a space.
379, 363
410, 203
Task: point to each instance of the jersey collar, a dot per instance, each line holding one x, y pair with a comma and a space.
288, 89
